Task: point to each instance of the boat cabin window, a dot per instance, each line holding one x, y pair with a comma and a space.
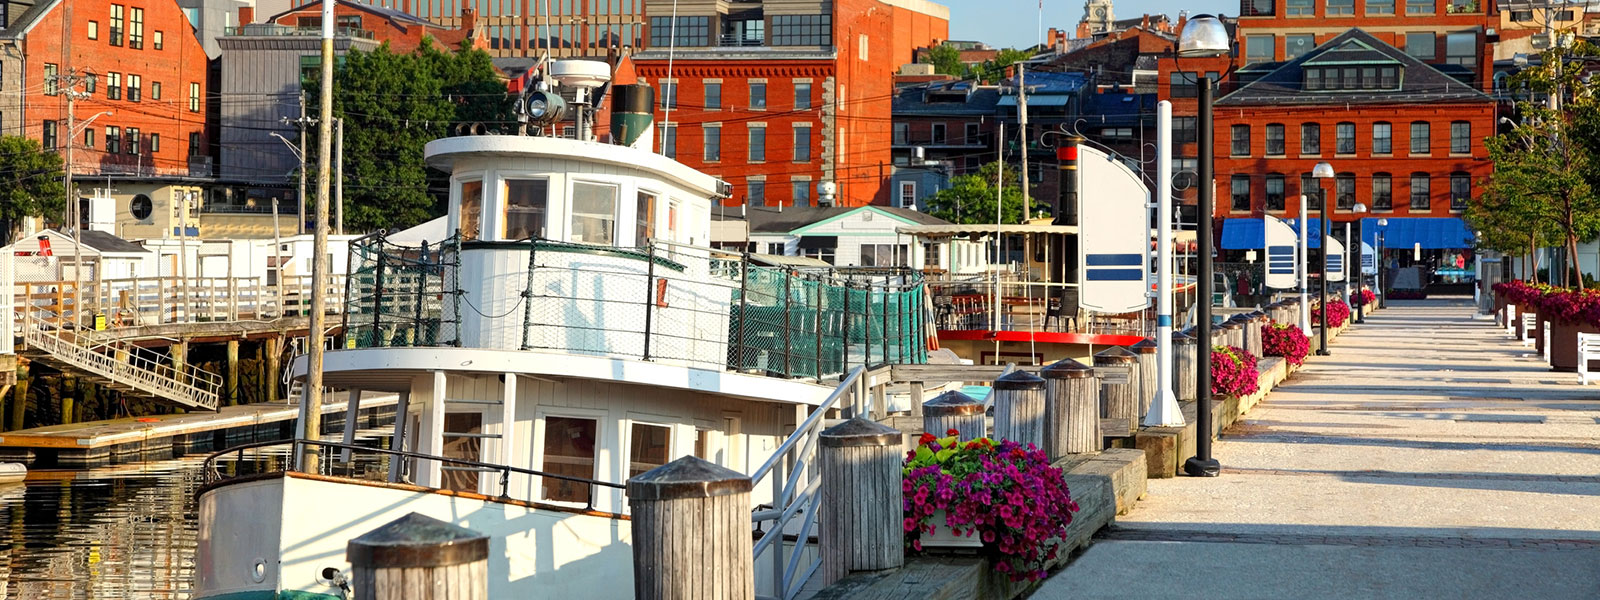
646, 218
527, 202
594, 213
462, 431
647, 448
471, 208
568, 450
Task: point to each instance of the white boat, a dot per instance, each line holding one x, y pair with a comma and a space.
13, 473
576, 332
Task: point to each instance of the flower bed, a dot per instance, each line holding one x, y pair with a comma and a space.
1338, 313
1406, 295
1287, 341
1006, 495
1362, 297
1234, 372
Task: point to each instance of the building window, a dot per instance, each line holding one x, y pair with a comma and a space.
713, 95
713, 143
1341, 7
1389, 78
1274, 139
1344, 135
1460, 190
644, 218
1310, 187
594, 213
133, 140
669, 140
1521, 16
94, 30
88, 137
1258, 48
937, 135
802, 96
194, 97
195, 147
802, 143
691, 31
52, 76
930, 255
136, 28
1460, 137
1419, 7
1302, 8
113, 140
972, 137
1562, 15
902, 134
113, 86
758, 96
116, 24
569, 451
1275, 193
1382, 138
758, 143
801, 190
1241, 141
49, 135
1419, 192
1241, 193
1183, 84
155, 143
802, 30
1420, 45
1380, 7
1382, 192
89, 83
157, 40
1419, 138
827, 255
669, 94
134, 84
777, 248
1461, 49
1117, 134
526, 200
1344, 191
755, 193
908, 194
1311, 138
155, 90
883, 255
1298, 44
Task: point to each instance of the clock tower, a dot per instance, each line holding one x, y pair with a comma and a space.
1097, 16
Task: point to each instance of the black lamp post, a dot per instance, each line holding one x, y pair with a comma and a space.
1322, 171
1203, 36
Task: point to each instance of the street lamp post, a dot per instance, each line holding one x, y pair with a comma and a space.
1322, 171
1360, 270
1202, 37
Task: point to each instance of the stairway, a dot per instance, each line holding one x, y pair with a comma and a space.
124, 369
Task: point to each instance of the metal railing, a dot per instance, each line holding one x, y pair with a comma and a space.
192, 388
795, 479
327, 466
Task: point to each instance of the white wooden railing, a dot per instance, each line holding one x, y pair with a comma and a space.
1588, 349
138, 301
192, 388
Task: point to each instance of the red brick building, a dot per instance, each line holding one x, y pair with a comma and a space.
776, 98
403, 31
136, 59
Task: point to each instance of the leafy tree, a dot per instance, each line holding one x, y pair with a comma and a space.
970, 199
393, 105
31, 184
945, 59
995, 69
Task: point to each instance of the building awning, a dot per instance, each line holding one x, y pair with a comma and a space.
1442, 233
818, 242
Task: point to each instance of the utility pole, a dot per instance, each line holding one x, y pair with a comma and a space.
1022, 134
338, 176
300, 225
319, 263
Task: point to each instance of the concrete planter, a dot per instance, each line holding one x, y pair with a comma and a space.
1564, 345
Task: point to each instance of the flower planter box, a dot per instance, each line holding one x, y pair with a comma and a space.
944, 537
1564, 345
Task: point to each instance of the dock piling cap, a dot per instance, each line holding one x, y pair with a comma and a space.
1145, 346
952, 403
1182, 337
1067, 368
687, 477
417, 540
860, 432
1114, 354
1019, 380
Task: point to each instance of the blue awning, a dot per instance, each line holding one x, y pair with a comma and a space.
1445, 233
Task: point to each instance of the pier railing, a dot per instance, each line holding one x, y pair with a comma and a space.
970, 304
129, 366
143, 301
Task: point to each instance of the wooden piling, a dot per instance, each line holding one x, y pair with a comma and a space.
862, 517
954, 410
419, 558
1184, 383
1072, 409
691, 532
19, 397
1119, 400
1145, 376
1019, 408
69, 393
271, 382
233, 372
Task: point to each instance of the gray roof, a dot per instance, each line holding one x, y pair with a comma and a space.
912, 100
105, 242
1419, 81
770, 220
396, 15
28, 19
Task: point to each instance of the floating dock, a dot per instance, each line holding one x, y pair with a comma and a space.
98, 443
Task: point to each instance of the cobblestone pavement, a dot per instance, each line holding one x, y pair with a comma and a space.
1428, 457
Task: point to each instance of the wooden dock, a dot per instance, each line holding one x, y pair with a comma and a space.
97, 443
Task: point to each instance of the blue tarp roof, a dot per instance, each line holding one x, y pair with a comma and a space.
1446, 233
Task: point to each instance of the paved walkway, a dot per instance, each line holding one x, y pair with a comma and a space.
1428, 457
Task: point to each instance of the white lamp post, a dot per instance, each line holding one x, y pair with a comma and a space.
1164, 410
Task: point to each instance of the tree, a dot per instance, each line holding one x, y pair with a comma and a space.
945, 59
31, 184
970, 199
994, 69
393, 105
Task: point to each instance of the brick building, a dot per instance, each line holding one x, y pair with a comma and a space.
530, 28
136, 59
403, 31
777, 97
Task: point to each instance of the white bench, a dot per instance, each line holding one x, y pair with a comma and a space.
1511, 320
1547, 342
1588, 349
1530, 322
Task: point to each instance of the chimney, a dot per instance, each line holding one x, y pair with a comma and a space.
247, 15
469, 19
1145, 23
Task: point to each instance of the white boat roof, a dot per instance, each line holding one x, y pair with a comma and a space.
444, 152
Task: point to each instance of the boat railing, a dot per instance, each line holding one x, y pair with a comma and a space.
984, 304
328, 466
795, 479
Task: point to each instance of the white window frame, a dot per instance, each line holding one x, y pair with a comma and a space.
552, 203
620, 213
679, 445
902, 195
453, 222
